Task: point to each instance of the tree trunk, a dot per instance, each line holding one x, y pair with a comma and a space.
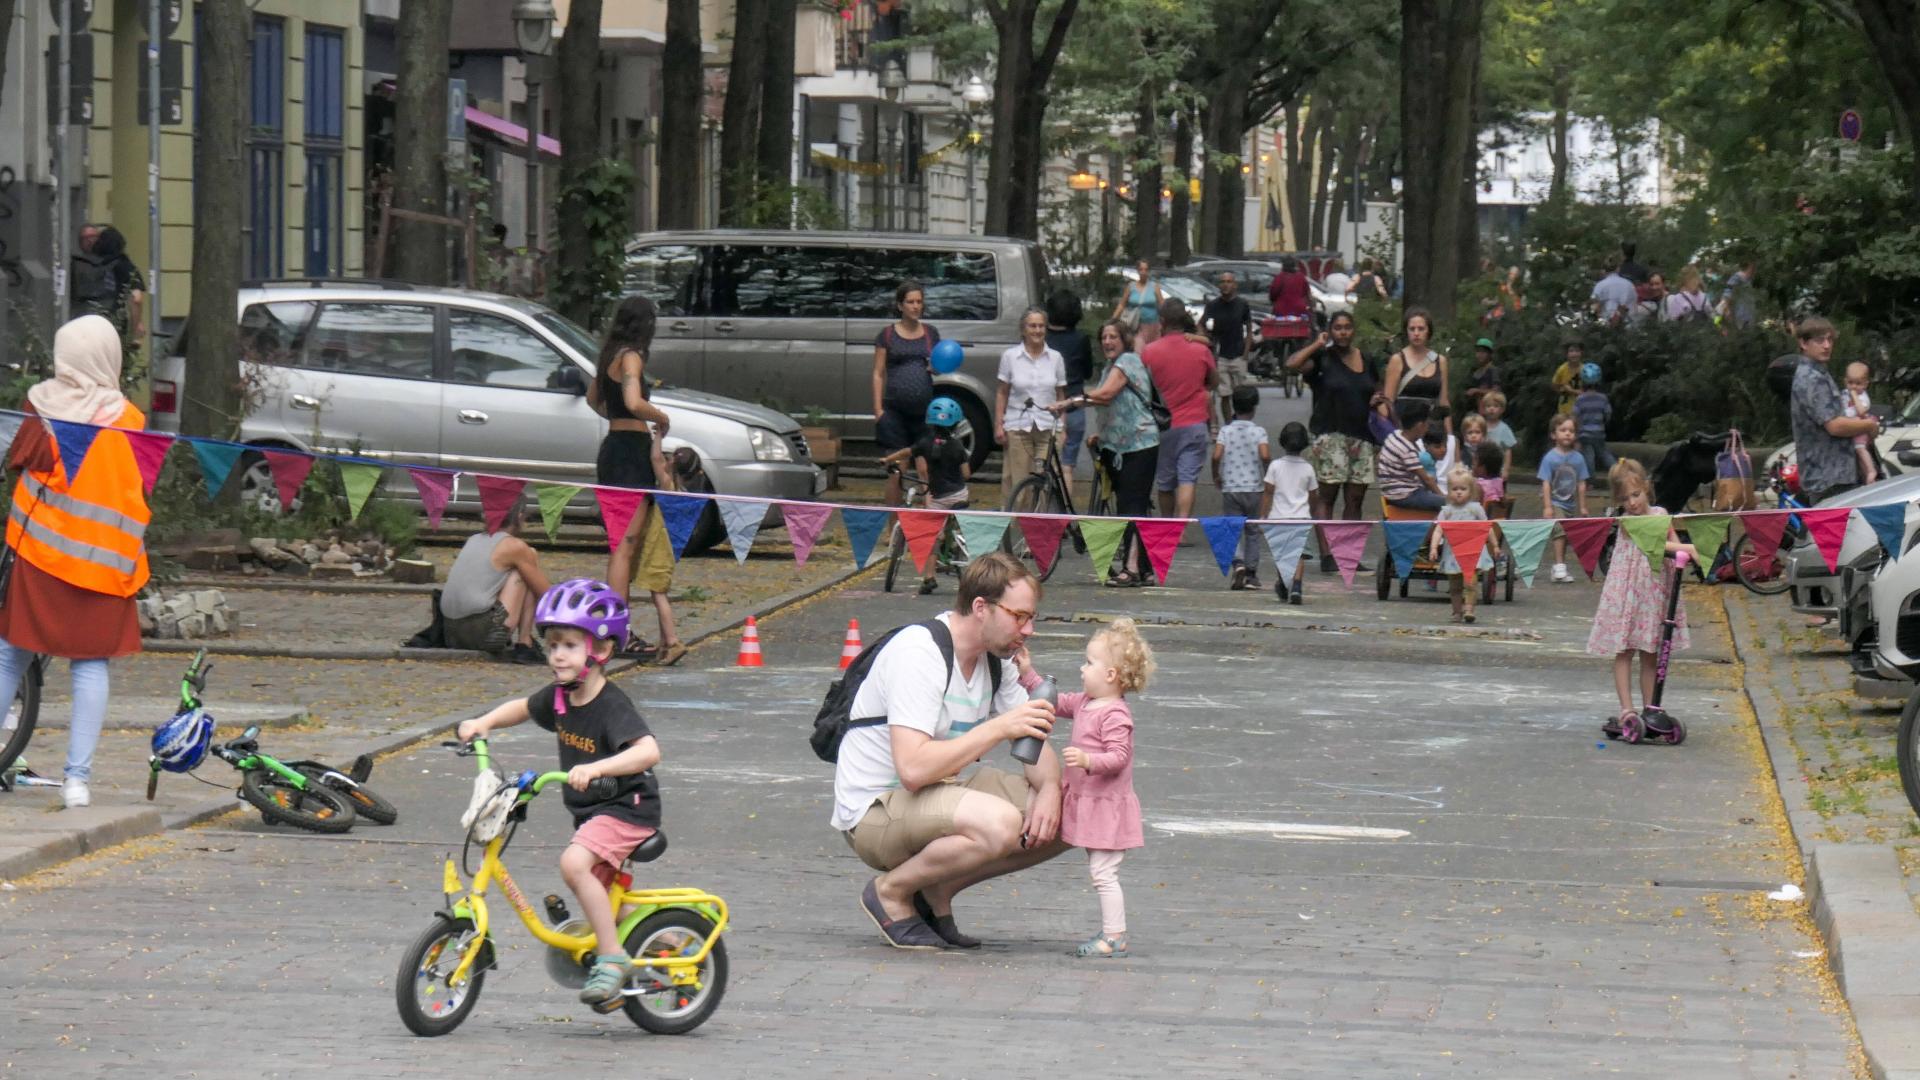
680, 96
740, 116
1180, 216
1146, 178
1322, 179
1439, 65
1892, 31
580, 137
418, 250
212, 406
1223, 213
6, 33
1557, 139
776, 103
1212, 173
1299, 159
1021, 73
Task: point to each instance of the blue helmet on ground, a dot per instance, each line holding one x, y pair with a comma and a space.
1590, 374
180, 744
943, 412
946, 357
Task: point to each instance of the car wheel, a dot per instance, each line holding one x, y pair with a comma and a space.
976, 431
256, 486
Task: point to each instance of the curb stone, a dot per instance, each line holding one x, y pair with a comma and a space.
1859, 902
35, 847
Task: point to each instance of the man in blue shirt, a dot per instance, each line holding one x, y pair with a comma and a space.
1613, 297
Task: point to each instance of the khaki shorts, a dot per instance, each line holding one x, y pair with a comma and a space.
1342, 459
1233, 375
655, 564
901, 822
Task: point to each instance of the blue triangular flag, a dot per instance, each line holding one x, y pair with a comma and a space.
1405, 540
742, 519
1888, 523
863, 529
680, 513
1223, 534
74, 440
1287, 543
216, 463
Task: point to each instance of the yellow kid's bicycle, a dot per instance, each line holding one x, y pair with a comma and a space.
679, 963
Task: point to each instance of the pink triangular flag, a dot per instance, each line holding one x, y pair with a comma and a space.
922, 529
497, 496
1160, 536
289, 472
1588, 538
1043, 538
1764, 529
1467, 539
149, 453
1347, 540
435, 487
804, 522
617, 507
1828, 528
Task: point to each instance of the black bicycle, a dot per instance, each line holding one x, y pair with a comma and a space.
1044, 492
23, 713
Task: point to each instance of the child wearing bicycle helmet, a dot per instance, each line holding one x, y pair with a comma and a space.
1591, 413
582, 624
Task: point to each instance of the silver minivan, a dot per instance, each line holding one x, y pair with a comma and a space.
788, 319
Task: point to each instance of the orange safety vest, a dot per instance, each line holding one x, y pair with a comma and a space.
89, 532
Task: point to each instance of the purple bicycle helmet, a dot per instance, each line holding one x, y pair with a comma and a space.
584, 604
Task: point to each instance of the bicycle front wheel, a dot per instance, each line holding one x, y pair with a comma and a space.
428, 1006
895, 552
1033, 496
316, 807
1763, 572
367, 803
23, 712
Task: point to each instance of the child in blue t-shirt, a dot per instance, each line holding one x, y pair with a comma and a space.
1563, 486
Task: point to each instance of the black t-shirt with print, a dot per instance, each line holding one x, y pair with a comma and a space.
946, 459
593, 732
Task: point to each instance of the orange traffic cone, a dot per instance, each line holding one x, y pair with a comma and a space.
852, 648
750, 646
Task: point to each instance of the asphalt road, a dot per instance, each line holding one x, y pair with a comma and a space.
1369, 853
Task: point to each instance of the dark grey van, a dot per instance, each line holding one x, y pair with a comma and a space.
788, 319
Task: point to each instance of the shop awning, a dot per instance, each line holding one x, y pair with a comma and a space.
509, 132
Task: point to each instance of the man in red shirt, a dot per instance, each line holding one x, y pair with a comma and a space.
1184, 373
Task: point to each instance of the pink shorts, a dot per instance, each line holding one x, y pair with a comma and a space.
612, 840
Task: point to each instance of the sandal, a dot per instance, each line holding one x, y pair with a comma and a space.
670, 655
1101, 947
1121, 579
641, 647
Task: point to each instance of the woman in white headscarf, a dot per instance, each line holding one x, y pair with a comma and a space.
76, 551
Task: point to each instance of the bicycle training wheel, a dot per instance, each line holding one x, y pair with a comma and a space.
1764, 573
428, 1006
1033, 496
663, 1007
23, 712
367, 803
895, 552
316, 807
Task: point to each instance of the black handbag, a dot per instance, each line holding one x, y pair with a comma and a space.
1162, 416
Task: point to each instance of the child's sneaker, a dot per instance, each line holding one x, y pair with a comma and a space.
1560, 575
1280, 589
1251, 581
1237, 576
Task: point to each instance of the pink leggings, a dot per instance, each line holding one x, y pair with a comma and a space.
1105, 868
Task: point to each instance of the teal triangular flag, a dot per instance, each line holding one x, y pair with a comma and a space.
1287, 543
981, 533
680, 514
863, 528
1405, 541
742, 518
74, 440
1223, 535
1888, 522
1527, 540
216, 463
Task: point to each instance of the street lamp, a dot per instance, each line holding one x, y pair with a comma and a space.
974, 96
533, 29
893, 82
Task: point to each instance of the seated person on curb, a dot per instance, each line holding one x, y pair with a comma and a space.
898, 795
491, 591
1403, 482
601, 735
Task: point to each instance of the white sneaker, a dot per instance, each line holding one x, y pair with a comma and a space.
1560, 575
75, 794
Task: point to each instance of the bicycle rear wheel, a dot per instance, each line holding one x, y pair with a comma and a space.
316, 807
896, 550
1033, 496
23, 712
367, 803
1763, 572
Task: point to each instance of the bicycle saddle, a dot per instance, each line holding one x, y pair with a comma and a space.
649, 849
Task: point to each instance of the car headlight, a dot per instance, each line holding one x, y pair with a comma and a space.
768, 446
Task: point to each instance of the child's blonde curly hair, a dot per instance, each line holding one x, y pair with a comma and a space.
1132, 656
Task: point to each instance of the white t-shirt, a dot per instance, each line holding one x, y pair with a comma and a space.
1338, 283
1292, 477
1028, 377
908, 687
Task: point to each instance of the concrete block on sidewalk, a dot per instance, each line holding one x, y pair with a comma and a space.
38, 841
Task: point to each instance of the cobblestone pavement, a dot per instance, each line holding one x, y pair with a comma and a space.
1370, 853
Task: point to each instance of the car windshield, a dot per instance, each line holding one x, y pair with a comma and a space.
570, 332
1191, 290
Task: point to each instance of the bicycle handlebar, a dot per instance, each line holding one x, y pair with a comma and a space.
600, 788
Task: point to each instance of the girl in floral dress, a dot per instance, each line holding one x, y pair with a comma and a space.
1633, 602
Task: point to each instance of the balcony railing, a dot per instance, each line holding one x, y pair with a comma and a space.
861, 31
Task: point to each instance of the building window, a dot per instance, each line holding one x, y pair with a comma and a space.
326, 138
266, 149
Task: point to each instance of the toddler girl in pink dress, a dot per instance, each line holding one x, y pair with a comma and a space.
1099, 811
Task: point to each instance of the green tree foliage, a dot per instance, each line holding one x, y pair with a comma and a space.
596, 200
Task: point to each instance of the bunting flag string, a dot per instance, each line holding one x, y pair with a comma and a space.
149, 453
863, 528
617, 509
1765, 529
434, 487
553, 500
1348, 541
359, 480
1287, 544
1648, 533
680, 514
742, 520
1223, 535
497, 496
1160, 536
1588, 538
1468, 541
981, 533
1103, 540
1526, 542
1707, 533
216, 463
922, 529
73, 441
1043, 540
1889, 525
804, 522
1829, 530
1405, 541
289, 472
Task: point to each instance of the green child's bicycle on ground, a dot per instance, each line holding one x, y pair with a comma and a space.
305, 794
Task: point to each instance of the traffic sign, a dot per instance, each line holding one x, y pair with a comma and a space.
1850, 126
172, 69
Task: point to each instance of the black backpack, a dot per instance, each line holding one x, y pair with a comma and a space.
835, 718
1780, 373
93, 284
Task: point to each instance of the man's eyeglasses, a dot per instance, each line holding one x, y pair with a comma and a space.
1020, 618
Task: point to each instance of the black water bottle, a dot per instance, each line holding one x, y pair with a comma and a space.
1026, 749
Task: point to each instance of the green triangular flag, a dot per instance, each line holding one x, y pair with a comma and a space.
1649, 533
1708, 534
359, 480
1103, 539
553, 503
1528, 541
981, 533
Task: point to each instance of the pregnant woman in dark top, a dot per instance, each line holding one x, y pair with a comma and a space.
903, 377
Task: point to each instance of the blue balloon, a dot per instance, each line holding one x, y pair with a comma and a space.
947, 356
